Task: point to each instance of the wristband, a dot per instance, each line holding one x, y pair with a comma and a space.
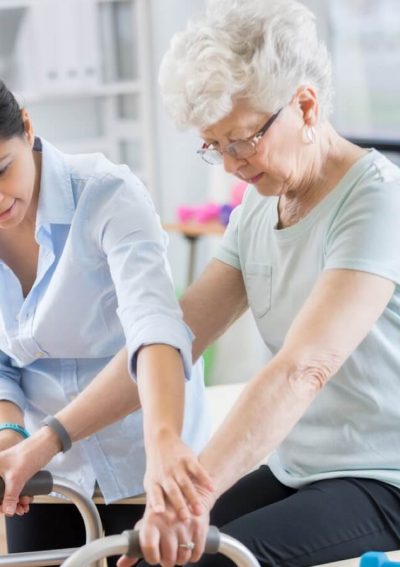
60, 431
15, 427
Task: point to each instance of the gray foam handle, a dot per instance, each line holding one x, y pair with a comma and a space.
212, 542
41, 483
133, 544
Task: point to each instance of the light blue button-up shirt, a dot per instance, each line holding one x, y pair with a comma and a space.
102, 282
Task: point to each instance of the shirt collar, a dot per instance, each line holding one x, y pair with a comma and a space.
56, 201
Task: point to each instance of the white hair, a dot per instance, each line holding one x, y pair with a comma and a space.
260, 51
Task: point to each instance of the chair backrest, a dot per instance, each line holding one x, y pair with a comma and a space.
220, 399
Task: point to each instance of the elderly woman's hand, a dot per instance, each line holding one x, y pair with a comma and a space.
169, 541
174, 473
19, 462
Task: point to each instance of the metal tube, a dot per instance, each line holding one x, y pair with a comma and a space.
36, 558
115, 545
96, 550
85, 505
91, 519
236, 551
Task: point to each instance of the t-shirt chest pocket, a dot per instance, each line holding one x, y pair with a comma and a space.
258, 287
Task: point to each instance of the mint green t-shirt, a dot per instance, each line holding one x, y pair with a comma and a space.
353, 426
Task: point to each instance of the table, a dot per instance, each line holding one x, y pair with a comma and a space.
192, 231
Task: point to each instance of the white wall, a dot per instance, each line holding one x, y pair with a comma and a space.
181, 177
184, 178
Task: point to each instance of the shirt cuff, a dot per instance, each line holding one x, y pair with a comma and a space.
160, 330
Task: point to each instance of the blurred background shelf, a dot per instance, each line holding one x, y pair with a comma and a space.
81, 69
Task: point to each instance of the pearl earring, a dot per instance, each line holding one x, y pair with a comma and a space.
311, 134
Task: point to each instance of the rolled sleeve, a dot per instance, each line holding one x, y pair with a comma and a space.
10, 382
159, 329
135, 247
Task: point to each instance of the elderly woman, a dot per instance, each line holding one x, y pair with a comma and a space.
314, 252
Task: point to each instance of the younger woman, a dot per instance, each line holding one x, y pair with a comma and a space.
83, 274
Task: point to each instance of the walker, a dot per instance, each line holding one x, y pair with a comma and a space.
97, 547
42, 484
128, 543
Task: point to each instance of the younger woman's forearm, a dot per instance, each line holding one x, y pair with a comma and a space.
161, 385
43, 444
10, 413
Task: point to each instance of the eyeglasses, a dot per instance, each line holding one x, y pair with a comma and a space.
240, 149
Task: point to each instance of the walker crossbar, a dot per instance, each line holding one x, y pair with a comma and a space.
128, 543
43, 483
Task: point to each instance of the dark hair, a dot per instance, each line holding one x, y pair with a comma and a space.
11, 123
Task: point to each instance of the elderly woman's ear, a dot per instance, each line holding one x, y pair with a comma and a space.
307, 101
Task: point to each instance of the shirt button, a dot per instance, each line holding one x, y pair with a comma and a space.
39, 354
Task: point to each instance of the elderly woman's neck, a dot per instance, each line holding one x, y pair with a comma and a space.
331, 156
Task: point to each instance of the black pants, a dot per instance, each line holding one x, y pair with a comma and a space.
55, 526
325, 521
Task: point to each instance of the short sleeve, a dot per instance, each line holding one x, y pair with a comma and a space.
228, 251
365, 232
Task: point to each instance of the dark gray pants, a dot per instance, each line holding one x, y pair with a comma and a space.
326, 521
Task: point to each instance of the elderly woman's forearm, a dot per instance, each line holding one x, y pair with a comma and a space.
334, 320
270, 406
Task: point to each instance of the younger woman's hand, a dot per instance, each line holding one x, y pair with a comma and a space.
18, 464
174, 474
8, 439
